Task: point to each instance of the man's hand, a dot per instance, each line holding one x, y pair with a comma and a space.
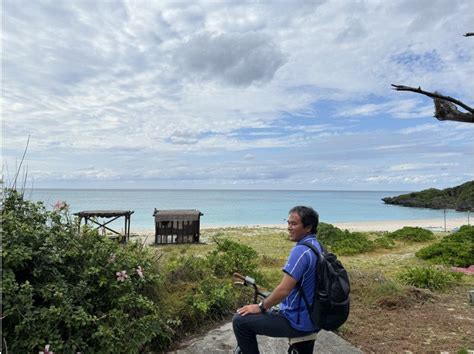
281, 291
249, 309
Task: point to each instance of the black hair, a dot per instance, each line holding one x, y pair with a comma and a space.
308, 216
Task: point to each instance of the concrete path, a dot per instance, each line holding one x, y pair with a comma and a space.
222, 340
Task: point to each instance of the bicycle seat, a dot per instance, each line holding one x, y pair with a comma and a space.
309, 337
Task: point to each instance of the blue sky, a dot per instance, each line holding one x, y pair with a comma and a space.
235, 95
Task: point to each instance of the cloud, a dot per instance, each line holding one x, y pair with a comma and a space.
421, 166
238, 59
400, 108
249, 157
421, 128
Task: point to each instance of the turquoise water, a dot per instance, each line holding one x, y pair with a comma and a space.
238, 207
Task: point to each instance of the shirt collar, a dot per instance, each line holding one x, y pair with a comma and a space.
306, 238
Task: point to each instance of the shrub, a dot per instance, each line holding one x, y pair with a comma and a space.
384, 242
329, 234
412, 234
353, 243
188, 269
75, 292
198, 289
212, 298
230, 257
429, 278
343, 242
453, 250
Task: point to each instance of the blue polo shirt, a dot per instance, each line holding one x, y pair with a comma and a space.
301, 266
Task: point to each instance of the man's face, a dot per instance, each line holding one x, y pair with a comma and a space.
296, 230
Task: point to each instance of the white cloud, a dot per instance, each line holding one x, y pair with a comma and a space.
421, 166
401, 108
421, 128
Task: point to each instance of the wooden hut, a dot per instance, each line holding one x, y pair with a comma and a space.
177, 226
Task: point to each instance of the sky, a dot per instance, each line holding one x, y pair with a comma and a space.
235, 95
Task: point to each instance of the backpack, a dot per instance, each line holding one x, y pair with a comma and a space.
330, 307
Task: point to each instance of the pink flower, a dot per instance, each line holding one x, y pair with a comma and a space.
60, 205
121, 276
140, 272
46, 350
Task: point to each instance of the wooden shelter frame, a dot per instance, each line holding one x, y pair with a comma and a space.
112, 215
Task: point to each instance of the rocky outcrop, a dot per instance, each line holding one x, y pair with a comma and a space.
460, 198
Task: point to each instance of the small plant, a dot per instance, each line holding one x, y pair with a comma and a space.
453, 250
429, 278
412, 234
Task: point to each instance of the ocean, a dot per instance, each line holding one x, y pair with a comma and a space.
238, 207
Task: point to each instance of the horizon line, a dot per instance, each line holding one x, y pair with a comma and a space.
217, 189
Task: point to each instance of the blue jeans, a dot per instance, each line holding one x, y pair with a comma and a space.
270, 323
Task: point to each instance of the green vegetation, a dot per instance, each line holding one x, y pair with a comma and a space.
74, 292
344, 242
453, 250
429, 278
460, 198
412, 234
230, 257
351, 243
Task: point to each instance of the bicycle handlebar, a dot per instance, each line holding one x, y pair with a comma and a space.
249, 281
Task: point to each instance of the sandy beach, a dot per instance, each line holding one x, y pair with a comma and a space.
431, 224
436, 225
387, 225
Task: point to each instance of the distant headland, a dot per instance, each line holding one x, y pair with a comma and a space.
460, 198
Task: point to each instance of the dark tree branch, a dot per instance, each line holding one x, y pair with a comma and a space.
468, 34
445, 106
433, 95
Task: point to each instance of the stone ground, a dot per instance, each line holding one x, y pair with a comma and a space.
222, 340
